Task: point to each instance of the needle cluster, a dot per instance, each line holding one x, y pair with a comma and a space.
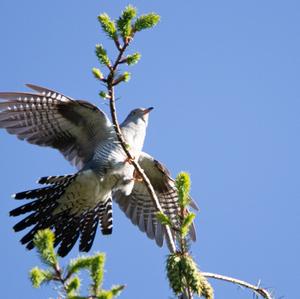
68, 279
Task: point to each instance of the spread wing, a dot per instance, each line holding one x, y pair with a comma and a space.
138, 206
48, 118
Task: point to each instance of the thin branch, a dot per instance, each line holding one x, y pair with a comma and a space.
117, 43
59, 276
119, 58
139, 169
256, 289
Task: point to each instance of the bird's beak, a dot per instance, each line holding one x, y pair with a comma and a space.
146, 111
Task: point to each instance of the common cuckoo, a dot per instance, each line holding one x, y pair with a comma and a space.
74, 205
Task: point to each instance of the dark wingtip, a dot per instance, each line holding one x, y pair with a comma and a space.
13, 213
42, 180
62, 253
85, 247
34, 87
20, 195
28, 85
107, 231
18, 227
30, 245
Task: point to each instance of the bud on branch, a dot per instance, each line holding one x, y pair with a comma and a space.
146, 21
102, 55
108, 26
124, 22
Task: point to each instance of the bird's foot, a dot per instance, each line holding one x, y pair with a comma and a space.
129, 160
137, 176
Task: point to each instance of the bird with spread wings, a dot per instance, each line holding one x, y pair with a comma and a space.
74, 205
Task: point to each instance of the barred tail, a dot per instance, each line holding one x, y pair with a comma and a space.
67, 226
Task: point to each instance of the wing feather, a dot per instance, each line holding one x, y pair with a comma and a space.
139, 208
49, 118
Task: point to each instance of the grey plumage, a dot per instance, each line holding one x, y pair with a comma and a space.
139, 208
74, 205
52, 119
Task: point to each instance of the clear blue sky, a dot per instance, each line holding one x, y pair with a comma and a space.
223, 77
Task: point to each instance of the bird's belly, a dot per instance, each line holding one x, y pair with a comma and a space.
86, 192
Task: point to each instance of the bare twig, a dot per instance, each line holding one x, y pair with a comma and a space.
139, 169
59, 276
256, 289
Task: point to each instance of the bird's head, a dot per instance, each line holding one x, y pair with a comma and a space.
138, 115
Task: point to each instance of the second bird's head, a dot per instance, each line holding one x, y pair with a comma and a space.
138, 116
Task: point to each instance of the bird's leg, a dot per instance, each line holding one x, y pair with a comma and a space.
129, 160
137, 177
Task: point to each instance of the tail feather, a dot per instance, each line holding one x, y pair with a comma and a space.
29, 236
88, 232
70, 235
43, 210
29, 207
106, 219
54, 180
47, 223
27, 221
35, 193
68, 226
59, 229
101, 214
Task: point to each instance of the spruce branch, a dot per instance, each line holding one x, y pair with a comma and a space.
78, 264
146, 22
184, 276
131, 59
138, 168
125, 77
108, 26
199, 281
127, 32
39, 276
186, 223
43, 241
163, 219
97, 271
183, 187
73, 285
102, 55
124, 22
68, 278
97, 74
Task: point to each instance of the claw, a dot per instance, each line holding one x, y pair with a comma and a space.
137, 177
129, 160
